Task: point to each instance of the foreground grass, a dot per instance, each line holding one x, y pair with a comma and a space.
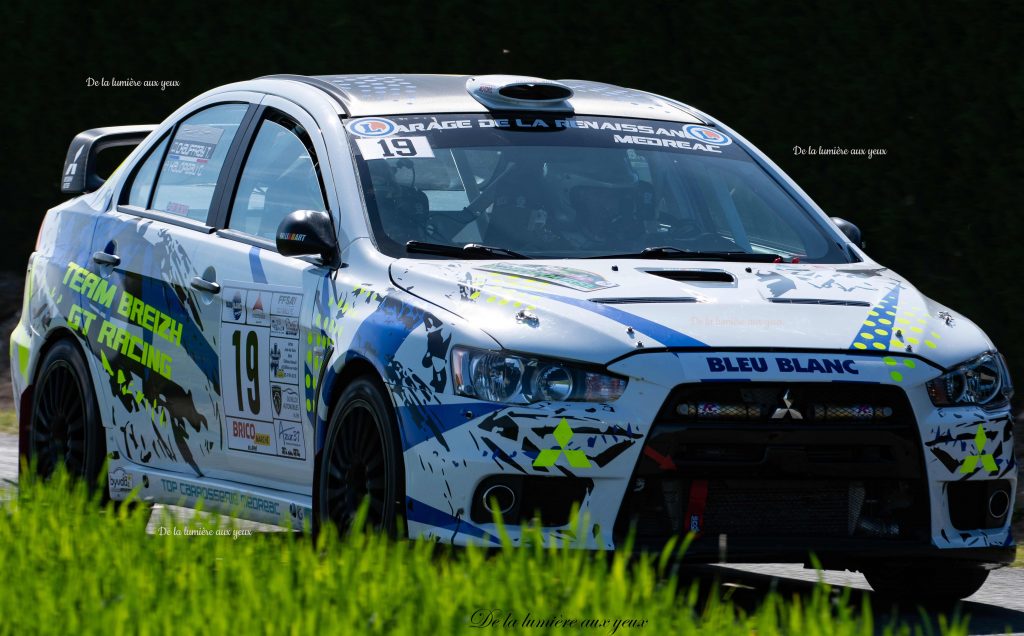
8, 421
1019, 563
70, 567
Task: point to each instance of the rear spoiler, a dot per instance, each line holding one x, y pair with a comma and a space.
79, 174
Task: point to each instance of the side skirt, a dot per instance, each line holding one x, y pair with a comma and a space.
243, 501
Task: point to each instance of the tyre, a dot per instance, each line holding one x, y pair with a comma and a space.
926, 582
361, 459
65, 428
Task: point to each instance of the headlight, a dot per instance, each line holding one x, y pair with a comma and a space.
503, 377
984, 381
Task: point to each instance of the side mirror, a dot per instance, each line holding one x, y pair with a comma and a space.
305, 232
851, 231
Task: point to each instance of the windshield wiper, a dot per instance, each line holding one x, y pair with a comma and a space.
678, 253
469, 250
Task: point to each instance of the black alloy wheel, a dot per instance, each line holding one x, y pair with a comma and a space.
64, 426
360, 461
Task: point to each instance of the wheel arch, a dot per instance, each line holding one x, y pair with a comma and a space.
52, 337
64, 332
333, 384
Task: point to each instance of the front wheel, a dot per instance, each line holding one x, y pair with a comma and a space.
361, 460
928, 582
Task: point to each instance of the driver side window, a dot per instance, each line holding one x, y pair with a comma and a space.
281, 175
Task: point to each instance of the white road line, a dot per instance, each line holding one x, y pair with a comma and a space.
8, 458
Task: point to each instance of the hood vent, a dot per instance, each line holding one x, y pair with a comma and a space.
643, 300
819, 301
694, 275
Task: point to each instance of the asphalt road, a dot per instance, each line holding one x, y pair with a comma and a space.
997, 608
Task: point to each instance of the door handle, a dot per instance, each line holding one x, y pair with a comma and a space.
206, 285
106, 259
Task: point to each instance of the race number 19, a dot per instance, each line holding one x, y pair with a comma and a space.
244, 379
395, 147
252, 369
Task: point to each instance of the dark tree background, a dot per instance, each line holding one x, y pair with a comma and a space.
939, 86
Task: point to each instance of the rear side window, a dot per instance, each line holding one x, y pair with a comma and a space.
280, 176
142, 183
195, 158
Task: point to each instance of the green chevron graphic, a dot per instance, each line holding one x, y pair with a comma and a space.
548, 456
971, 461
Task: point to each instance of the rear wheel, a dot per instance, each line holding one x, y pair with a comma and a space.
361, 460
928, 582
65, 427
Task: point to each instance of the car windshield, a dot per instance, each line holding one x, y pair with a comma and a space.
556, 186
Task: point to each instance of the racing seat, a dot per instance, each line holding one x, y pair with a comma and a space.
517, 212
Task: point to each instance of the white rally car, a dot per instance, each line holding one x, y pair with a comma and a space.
452, 294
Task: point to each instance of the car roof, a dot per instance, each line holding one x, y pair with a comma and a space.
408, 94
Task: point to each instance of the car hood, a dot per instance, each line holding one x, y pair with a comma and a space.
599, 310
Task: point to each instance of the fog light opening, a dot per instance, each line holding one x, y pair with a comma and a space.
999, 504
502, 495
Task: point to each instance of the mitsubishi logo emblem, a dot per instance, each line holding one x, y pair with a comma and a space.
781, 412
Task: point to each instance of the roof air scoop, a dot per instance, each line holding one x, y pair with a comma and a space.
516, 92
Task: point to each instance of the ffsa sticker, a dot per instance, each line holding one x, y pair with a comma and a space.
395, 148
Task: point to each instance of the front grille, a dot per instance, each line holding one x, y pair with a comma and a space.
769, 460
793, 508
763, 510
767, 402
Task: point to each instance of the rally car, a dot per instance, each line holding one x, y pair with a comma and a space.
459, 296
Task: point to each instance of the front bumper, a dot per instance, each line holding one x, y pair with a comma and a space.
457, 449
